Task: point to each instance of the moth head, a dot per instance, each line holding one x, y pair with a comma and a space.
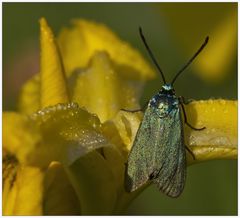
167, 89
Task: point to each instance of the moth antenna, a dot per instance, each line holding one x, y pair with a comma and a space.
191, 60
151, 54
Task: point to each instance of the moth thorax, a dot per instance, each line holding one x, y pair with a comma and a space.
163, 106
163, 109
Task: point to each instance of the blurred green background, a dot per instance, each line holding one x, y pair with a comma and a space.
174, 32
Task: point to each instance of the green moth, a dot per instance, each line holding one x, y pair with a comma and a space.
158, 153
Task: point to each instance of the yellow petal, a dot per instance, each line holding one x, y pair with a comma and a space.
219, 139
59, 133
127, 125
103, 91
29, 100
22, 190
116, 159
52, 75
59, 195
29, 189
9, 172
20, 135
94, 184
79, 43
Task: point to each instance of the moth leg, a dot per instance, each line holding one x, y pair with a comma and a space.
185, 119
190, 152
137, 110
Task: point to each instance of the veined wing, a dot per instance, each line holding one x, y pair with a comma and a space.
158, 153
172, 175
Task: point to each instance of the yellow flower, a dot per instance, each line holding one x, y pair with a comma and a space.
64, 151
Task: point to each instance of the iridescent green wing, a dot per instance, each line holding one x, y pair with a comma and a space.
140, 160
158, 153
172, 174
